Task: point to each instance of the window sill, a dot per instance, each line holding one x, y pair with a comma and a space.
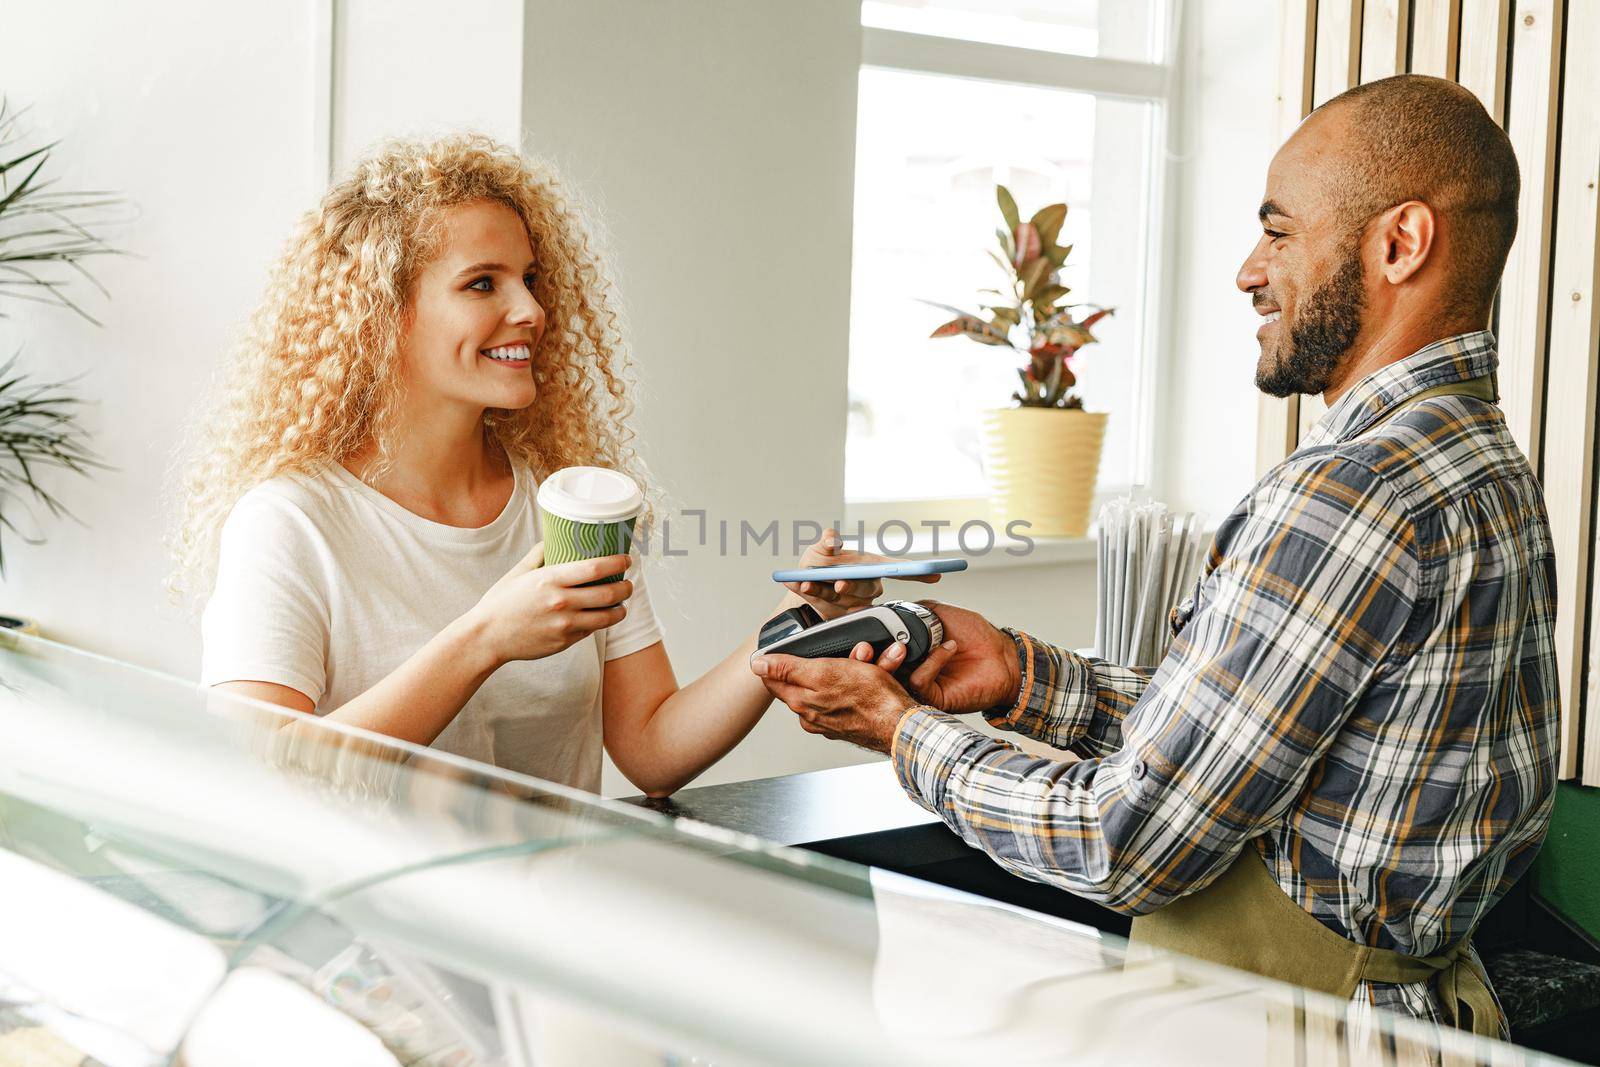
1044, 552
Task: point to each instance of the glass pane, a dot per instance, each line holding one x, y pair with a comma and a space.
1113, 29
929, 152
191, 877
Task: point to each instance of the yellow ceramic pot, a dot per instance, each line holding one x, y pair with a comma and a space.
1042, 464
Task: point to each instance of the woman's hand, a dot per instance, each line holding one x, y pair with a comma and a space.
832, 599
537, 611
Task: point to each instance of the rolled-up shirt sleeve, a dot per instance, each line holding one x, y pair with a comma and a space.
1301, 608
1067, 700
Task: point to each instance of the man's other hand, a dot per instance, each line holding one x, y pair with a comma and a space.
975, 669
845, 699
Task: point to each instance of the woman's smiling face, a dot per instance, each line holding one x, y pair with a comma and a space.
474, 324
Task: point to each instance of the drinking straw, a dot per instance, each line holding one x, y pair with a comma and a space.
1148, 559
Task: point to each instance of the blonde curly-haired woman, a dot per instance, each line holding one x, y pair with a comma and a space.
438, 337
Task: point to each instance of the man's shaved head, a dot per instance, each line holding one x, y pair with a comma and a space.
1412, 137
1385, 226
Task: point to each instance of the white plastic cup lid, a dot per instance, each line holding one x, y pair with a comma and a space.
590, 494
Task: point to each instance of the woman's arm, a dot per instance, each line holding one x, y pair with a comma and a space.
532, 612
660, 736
415, 701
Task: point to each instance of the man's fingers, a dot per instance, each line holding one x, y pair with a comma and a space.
862, 652
928, 579
777, 668
894, 657
927, 671
791, 695
813, 675
533, 560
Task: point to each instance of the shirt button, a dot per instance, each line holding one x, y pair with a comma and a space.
1137, 769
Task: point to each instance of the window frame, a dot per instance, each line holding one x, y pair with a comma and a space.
1145, 82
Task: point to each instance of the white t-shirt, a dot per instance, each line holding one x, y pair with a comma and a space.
326, 585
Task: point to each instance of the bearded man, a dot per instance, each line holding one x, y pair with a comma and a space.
1349, 753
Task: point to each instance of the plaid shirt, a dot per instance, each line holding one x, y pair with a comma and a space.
1362, 687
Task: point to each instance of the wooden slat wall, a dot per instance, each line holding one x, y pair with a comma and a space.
1524, 290
1385, 38
1531, 114
1483, 52
1574, 355
1338, 66
1338, 50
1277, 421
1509, 53
1435, 37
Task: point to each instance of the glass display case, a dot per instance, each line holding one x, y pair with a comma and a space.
190, 877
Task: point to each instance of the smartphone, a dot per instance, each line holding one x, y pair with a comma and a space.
904, 568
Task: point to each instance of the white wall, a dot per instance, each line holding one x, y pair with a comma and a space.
216, 121
202, 115
420, 68
717, 139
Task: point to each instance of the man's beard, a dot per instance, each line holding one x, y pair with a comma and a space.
1325, 326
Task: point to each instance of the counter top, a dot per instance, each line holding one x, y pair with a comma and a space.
801, 809
860, 814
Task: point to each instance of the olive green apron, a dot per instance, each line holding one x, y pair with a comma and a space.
1245, 920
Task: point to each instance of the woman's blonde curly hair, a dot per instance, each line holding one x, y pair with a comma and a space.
316, 376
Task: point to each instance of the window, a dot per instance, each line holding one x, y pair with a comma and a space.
940, 122
1071, 27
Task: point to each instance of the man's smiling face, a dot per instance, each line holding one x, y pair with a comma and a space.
1305, 274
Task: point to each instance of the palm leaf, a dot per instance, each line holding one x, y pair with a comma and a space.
45, 238
45, 241
39, 429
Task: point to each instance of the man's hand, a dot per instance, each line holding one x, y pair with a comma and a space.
975, 669
845, 699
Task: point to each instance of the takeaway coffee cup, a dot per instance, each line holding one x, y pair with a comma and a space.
587, 512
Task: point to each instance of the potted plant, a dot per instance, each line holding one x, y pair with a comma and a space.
1042, 455
44, 243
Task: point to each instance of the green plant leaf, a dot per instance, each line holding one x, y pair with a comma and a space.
44, 239
1096, 317
1006, 317
1026, 247
1052, 383
1008, 208
1033, 275
1067, 335
973, 327
1057, 254
1006, 244
1048, 222
1044, 300
38, 430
